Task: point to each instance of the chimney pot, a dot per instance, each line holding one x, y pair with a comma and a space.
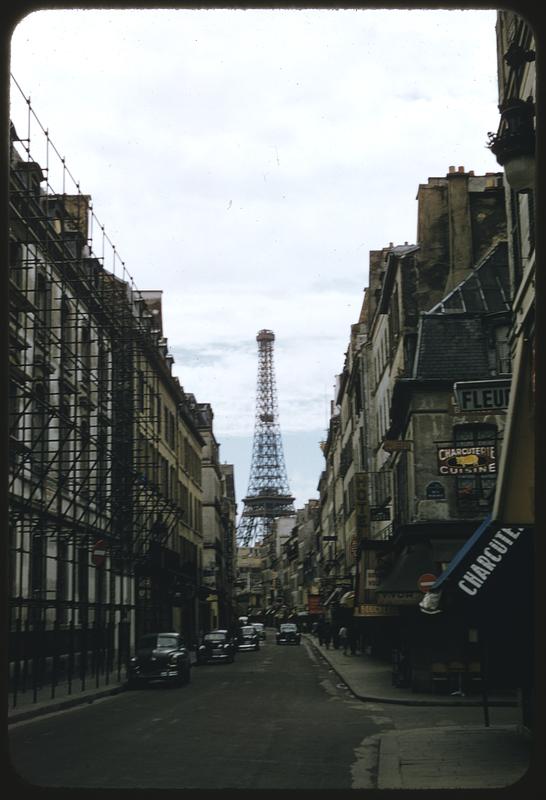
452, 169
461, 169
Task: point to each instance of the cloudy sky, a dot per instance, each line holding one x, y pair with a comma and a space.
246, 162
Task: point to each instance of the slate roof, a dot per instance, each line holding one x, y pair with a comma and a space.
452, 343
451, 347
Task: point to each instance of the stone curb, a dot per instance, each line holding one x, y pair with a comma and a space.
389, 774
61, 705
410, 701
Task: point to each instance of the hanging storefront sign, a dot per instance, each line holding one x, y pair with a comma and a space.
396, 445
399, 598
467, 460
362, 505
482, 395
374, 610
314, 606
372, 579
380, 513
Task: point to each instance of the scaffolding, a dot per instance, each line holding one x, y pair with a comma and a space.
94, 506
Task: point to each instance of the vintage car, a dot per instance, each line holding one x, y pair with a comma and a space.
260, 629
288, 634
247, 638
160, 657
216, 646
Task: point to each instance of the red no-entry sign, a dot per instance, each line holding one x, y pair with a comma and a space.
425, 581
98, 555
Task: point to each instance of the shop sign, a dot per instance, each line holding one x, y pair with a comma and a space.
372, 579
314, 606
362, 506
380, 513
396, 445
482, 395
489, 558
373, 610
399, 598
467, 460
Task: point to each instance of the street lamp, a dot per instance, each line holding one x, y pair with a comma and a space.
514, 144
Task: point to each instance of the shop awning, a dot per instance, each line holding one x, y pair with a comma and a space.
401, 585
494, 556
347, 599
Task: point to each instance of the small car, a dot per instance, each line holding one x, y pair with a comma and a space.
248, 639
216, 646
161, 657
260, 629
288, 634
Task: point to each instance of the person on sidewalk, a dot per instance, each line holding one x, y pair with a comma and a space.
343, 635
327, 634
352, 638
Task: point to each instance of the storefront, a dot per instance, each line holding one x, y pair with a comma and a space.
487, 590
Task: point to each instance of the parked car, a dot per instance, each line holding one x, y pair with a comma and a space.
259, 628
248, 639
216, 646
288, 634
160, 656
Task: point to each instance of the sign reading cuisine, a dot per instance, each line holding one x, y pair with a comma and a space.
467, 460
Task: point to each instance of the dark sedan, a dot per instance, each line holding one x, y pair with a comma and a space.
248, 639
288, 634
216, 646
160, 656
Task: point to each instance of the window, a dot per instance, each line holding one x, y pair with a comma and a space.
62, 582
502, 350
475, 491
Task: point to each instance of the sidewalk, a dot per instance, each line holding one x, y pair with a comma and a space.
441, 757
371, 679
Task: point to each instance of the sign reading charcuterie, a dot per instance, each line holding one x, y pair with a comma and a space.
467, 460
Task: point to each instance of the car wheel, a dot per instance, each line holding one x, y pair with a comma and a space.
133, 683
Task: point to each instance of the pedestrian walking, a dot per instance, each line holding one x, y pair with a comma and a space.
352, 639
327, 635
320, 631
343, 635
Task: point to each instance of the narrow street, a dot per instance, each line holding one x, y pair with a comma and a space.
276, 719
273, 719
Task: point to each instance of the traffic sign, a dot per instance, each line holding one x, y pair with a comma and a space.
425, 581
98, 554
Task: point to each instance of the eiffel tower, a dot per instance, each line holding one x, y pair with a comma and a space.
268, 495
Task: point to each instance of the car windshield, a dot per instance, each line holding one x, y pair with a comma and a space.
288, 628
248, 631
154, 641
258, 626
215, 637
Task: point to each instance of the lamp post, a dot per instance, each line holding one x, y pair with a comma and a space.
514, 144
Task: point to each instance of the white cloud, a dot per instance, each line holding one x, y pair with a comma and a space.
246, 162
